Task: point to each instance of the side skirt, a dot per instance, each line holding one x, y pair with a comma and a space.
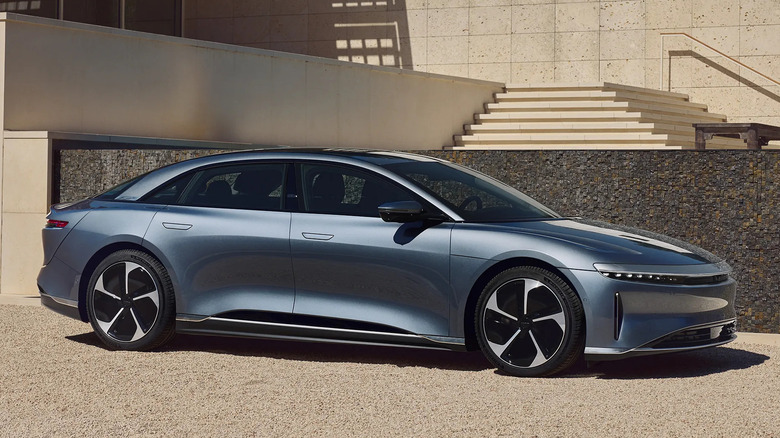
220, 326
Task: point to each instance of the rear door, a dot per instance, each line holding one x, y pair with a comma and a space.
225, 237
350, 264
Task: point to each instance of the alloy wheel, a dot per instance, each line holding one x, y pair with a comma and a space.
524, 322
126, 301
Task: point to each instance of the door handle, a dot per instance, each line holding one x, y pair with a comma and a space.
317, 236
175, 226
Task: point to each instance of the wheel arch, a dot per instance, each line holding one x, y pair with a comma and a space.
94, 261
484, 279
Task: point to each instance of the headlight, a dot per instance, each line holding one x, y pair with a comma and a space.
662, 274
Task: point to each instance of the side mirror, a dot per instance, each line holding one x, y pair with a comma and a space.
401, 211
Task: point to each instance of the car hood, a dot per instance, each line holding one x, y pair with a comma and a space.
603, 242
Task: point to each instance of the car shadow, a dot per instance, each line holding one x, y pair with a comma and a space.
675, 365
689, 364
317, 351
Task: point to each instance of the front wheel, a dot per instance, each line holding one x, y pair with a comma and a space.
130, 301
529, 322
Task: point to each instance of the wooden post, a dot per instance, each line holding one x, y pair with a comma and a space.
700, 141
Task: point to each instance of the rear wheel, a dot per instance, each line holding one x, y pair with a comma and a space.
130, 301
529, 322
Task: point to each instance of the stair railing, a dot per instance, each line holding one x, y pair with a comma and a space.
683, 34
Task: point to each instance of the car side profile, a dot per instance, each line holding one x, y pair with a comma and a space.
374, 247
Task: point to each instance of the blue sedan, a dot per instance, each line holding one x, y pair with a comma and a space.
374, 247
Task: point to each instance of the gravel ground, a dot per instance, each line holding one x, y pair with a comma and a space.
56, 380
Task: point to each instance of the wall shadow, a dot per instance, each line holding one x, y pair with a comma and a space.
374, 32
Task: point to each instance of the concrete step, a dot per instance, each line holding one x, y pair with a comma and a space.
588, 116
598, 106
592, 86
594, 95
577, 126
576, 116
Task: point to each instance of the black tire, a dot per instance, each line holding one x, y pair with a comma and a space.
529, 322
130, 301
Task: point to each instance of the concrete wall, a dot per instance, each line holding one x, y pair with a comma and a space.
529, 41
724, 201
70, 77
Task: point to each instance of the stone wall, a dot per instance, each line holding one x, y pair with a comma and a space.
728, 202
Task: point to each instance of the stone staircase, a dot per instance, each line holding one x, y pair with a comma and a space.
589, 116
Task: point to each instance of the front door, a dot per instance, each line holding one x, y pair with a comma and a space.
350, 264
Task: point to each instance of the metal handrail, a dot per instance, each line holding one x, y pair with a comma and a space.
661, 73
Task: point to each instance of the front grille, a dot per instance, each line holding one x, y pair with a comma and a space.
697, 337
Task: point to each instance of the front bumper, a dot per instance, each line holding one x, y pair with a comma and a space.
687, 339
630, 318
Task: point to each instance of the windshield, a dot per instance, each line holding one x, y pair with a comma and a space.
473, 196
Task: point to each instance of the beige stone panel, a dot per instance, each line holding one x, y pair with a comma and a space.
671, 43
719, 100
322, 118
723, 38
418, 47
768, 65
412, 23
668, 14
460, 70
251, 30
22, 253
25, 175
481, 3
441, 4
714, 71
760, 40
213, 8
622, 44
219, 30
759, 101
623, 71
715, 13
533, 47
327, 27
490, 48
652, 77
495, 20
249, 8
448, 22
577, 71
498, 72
285, 7
289, 28
576, 46
576, 17
533, 18
755, 12
448, 50
677, 72
622, 15
532, 72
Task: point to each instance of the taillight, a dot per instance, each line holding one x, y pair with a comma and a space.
51, 223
